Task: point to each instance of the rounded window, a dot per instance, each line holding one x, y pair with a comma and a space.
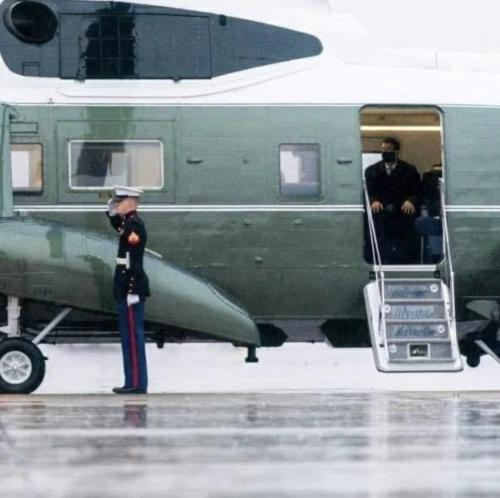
31, 22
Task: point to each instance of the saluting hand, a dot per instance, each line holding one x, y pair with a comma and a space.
408, 208
112, 207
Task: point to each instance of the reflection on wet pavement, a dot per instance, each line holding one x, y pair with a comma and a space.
335, 444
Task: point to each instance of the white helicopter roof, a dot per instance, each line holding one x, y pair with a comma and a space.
383, 53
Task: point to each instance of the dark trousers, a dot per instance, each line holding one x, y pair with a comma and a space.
431, 230
397, 239
131, 323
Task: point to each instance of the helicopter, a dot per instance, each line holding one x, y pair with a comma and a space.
248, 132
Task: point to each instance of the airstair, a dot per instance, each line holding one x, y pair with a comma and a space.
411, 313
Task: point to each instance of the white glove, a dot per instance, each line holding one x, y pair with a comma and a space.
132, 299
112, 207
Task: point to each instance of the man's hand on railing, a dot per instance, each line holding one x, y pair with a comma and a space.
408, 208
376, 206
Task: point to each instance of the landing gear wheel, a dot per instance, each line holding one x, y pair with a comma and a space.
473, 360
22, 366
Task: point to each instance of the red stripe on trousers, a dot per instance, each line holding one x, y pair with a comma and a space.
133, 347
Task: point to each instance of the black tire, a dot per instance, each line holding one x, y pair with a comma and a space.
473, 360
31, 357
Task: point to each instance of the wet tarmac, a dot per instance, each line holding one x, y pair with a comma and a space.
262, 445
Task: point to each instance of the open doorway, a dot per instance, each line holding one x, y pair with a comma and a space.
402, 185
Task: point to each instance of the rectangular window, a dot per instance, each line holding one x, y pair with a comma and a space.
300, 170
103, 164
26, 162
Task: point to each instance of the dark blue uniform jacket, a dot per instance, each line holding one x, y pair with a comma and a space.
133, 238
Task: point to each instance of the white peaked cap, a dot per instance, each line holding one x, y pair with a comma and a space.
126, 192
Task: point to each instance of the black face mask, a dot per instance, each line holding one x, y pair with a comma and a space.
388, 157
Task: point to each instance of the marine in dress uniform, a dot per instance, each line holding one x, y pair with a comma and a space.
130, 287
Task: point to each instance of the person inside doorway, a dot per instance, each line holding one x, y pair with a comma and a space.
429, 225
393, 187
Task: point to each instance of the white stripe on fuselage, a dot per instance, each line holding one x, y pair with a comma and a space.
228, 208
194, 208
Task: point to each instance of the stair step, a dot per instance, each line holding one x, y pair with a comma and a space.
422, 321
405, 289
417, 339
428, 362
415, 311
412, 279
409, 271
420, 350
414, 301
404, 330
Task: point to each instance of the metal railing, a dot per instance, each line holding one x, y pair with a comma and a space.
448, 265
377, 265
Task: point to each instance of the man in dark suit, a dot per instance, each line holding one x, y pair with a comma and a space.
130, 287
394, 189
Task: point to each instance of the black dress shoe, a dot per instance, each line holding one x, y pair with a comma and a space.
129, 390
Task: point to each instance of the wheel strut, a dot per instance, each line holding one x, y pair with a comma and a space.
251, 355
12, 328
48, 329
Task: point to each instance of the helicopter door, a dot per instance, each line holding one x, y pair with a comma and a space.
408, 233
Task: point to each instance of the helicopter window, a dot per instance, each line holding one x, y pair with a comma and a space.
26, 162
300, 170
102, 164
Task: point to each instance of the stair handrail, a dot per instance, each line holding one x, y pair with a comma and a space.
446, 250
377, 262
